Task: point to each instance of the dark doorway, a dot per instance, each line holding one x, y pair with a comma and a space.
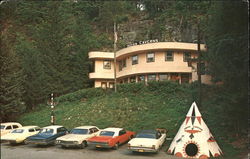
191, 149
185, 78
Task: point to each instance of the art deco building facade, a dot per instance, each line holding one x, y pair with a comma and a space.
147, 62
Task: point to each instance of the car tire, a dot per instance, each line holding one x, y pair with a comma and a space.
83, 145
116, 146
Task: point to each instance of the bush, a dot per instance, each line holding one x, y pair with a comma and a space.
131, 87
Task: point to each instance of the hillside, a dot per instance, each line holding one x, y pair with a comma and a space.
136, 106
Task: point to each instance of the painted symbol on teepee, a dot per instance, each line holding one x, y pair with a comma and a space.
194, 140
191, 149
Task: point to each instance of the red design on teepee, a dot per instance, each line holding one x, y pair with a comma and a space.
199, 119
178, 154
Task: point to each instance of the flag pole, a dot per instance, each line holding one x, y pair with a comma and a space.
115, 41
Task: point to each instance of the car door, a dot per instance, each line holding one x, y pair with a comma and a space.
161, 138
8, 128
31, 132
61, 131
96, 131
123, 137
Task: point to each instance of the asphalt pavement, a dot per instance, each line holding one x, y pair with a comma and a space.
22, 151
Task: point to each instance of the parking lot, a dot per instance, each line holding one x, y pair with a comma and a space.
22, 151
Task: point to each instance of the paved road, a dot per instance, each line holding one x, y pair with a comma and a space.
56, 152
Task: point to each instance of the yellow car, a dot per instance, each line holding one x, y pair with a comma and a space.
20, 134
8, 127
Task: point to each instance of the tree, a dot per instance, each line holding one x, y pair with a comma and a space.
227, 55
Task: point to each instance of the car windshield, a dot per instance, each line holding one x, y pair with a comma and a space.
18, 131
47, 131
79, 131
2, 126
107, 133
143, 135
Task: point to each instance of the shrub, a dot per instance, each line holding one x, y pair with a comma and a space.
131, 87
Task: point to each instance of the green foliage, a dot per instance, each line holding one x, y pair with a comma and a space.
137, 106
12, 77
228, 58
82, 95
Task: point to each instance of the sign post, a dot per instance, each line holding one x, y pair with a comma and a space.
52, 106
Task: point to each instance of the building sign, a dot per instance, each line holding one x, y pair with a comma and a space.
143, 42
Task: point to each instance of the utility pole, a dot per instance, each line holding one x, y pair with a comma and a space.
199, 65
115, 41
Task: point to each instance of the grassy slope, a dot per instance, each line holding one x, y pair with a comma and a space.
136, 107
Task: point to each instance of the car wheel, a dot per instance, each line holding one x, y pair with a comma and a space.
83, 144
116, 146
62, 146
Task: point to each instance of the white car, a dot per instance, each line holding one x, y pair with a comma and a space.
147, 141
78, 136
20, 134
8, 127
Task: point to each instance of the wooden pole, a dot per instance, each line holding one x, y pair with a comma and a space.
199, 65
115, 41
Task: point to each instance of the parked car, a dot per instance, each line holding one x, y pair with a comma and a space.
20, 134
47, 135
78, 136
111, 138
147, 141
8, 127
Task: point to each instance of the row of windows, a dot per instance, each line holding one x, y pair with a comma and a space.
161, 77
169, 56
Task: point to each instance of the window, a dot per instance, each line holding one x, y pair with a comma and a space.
141, 78
202, 68
31, 130
120, 65
152, 77
107, 64
122, 132
15, 126
8, 128
134, 59
62, 129
104, 85
169, 56
132, 79
37, 129
150, 57
95, 129
126, 80
186, 56
111, 84
174, 77
163, 77
107, 133
124, 64
79, 131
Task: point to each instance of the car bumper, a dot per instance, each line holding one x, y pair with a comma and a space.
38, 142
142, 149
68, 144
99, 145
11, 141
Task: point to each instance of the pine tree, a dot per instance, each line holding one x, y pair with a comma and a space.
228, 56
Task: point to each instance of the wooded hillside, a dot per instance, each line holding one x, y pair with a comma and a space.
45, 45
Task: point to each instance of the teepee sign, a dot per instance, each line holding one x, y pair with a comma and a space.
194, 140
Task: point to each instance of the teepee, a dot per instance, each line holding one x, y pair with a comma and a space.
194, 140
